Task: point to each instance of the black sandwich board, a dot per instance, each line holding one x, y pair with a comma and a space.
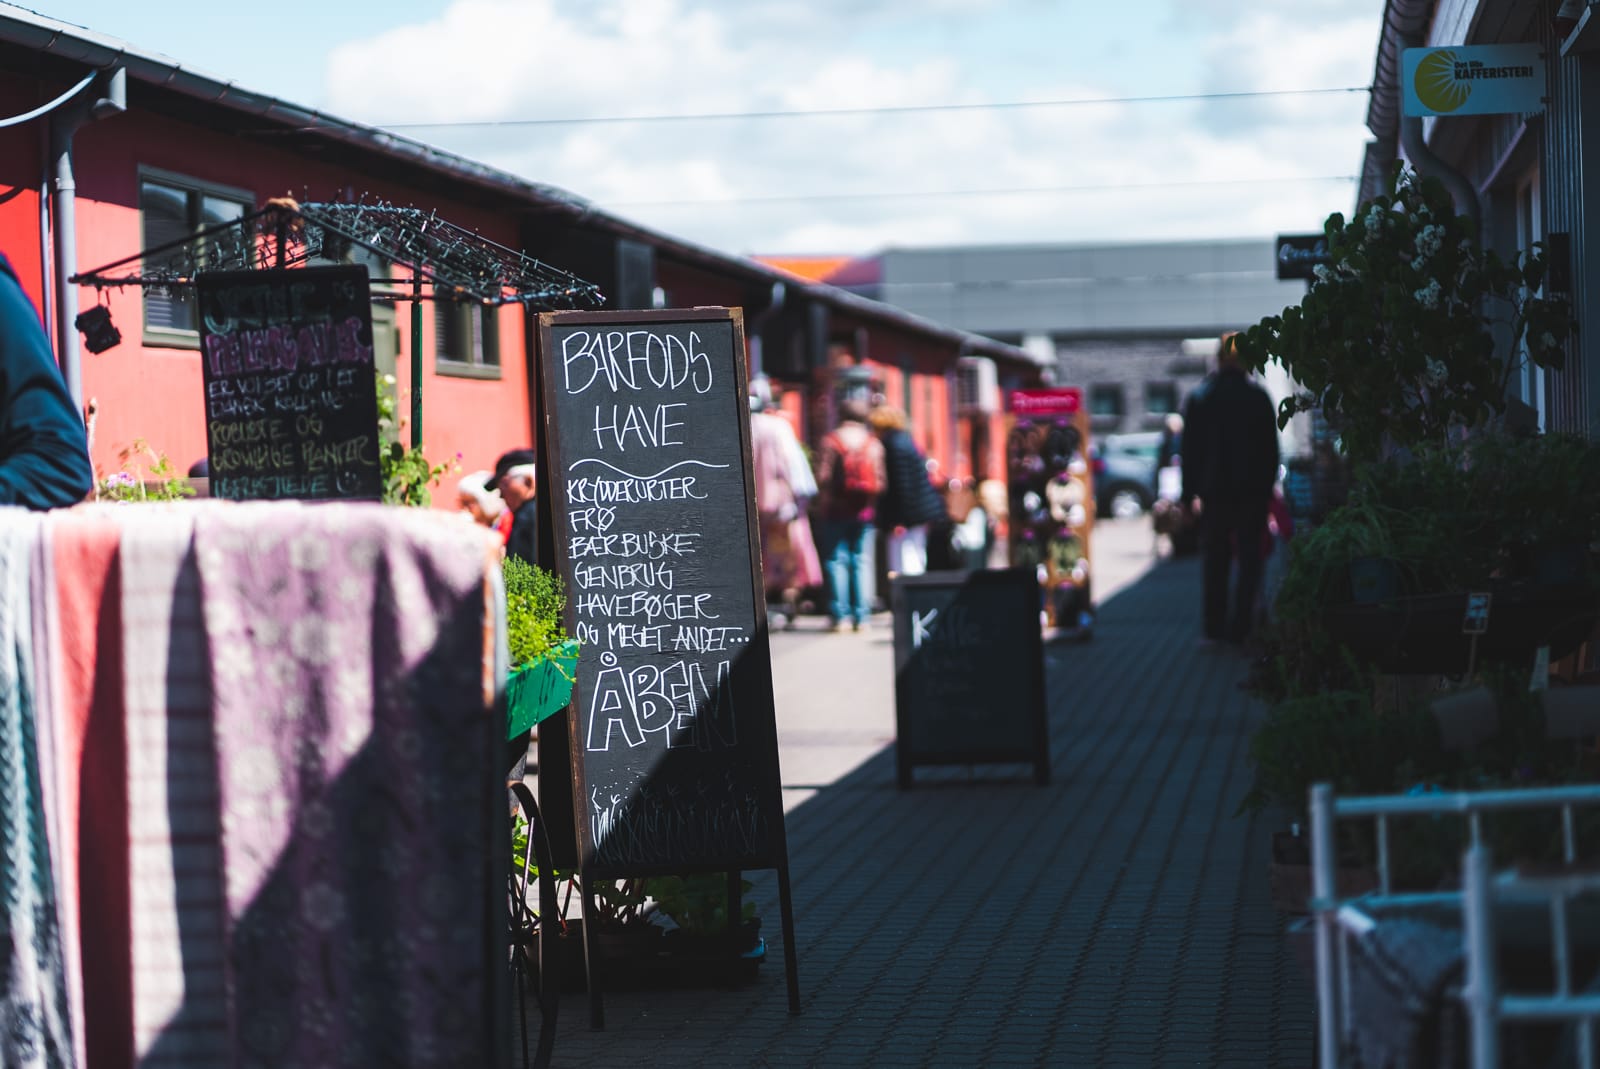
291, 399
646, 466
969, 671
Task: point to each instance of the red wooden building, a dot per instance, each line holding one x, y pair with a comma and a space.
106, 150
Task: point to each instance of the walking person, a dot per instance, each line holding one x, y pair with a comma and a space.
784, 489
851, 477
513, 480
909, 502
1230, 466
484, 505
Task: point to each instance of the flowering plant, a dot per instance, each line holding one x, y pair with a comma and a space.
146, 476
1413, 330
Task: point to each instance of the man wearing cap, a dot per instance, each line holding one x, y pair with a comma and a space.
513, 478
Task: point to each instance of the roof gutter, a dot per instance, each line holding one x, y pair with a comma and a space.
1403, 21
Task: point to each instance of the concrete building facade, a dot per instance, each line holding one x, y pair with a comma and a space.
1134, 325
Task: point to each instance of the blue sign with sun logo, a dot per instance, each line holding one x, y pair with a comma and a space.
1473, 80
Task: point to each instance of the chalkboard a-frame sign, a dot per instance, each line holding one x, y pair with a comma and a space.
291, 402
647, 467
969, 671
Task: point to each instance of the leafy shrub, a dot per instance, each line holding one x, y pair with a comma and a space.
535, 600
407, 473
1414, 330
698, 904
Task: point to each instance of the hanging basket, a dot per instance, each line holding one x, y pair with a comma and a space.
540, 689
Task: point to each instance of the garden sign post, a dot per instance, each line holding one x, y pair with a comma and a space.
672, 734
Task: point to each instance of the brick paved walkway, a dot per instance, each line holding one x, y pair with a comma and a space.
1118, 917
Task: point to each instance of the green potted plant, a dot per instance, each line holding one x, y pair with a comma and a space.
146, 475
1511, 517
544, 660
701, 937
1408, 341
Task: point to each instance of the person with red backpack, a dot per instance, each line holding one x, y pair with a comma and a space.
851, 476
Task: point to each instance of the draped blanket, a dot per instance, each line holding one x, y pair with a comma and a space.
263, 822
358, 781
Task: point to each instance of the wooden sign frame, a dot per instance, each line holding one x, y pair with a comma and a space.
1037, 751
749, 678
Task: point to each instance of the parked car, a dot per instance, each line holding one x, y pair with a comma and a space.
1125, 473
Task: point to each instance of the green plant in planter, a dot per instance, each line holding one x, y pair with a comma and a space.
1454, 518
1451, 518
543, 658
698, 904
1414, 330
1337, 737
535, 599
146, 475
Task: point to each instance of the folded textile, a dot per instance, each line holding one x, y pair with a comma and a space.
35, 1016
360, 785
1400, 974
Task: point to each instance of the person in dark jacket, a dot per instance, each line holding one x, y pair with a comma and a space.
1230, 466
513, 478
44, 451
909, 502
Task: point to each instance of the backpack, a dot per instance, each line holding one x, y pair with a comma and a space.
860, 470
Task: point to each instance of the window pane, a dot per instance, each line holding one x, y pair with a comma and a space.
215, 210
165, 214
1160, 398
227, 249
489, 350
1105, 400
452, 332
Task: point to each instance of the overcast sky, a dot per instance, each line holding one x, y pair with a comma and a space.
1217, 168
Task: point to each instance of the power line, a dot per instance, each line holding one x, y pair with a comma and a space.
901, 109
1002, 192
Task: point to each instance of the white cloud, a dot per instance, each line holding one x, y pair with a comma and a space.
512, 59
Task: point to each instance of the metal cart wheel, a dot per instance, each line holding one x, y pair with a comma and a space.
526, 977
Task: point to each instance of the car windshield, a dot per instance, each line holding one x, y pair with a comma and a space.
1142, 445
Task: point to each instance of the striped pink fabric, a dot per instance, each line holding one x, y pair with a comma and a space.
275, 783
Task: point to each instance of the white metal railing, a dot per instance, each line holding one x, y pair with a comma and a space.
1335, 922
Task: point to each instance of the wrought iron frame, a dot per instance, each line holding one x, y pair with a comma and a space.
456, 264
446, 262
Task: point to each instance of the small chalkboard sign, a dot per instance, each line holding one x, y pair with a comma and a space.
291, 399
969, 671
